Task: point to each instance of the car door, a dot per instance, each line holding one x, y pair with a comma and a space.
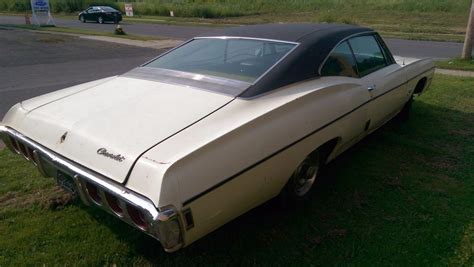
380, 76
341, 67
94, 13
87, 14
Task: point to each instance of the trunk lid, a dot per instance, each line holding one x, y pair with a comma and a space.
107, 127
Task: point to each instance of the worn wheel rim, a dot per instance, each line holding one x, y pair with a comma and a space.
305, 176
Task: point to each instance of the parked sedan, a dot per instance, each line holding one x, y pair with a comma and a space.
100, 14
215, 127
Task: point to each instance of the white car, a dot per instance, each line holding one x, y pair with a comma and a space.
215, 127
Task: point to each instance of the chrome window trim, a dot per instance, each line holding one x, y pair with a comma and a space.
224, 37
296, 45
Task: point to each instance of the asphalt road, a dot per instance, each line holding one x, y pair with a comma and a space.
406, 48
33, 64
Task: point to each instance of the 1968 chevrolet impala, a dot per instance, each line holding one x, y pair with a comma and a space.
213, 128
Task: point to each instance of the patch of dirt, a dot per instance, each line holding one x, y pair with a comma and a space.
51, 198
51, 39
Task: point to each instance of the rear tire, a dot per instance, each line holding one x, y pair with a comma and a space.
100, 20
302, 180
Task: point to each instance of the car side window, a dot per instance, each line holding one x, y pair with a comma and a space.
340, 62
368, 54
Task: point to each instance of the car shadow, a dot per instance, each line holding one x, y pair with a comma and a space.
352, 201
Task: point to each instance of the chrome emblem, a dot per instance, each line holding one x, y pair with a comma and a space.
102, 151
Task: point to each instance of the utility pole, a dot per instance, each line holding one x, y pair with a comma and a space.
467, 50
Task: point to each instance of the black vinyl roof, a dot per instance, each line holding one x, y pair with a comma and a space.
316, 41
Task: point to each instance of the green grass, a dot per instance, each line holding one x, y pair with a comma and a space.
456, 64
82, 32
442, 20
404, 196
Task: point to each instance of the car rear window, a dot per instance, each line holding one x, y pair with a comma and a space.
231, 58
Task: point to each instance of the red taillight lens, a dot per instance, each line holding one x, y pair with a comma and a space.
93, 192
137, 217
31, 154
113, 203
14, 144
23, 149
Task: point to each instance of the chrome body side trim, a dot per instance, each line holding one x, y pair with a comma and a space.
49, 163
247, 38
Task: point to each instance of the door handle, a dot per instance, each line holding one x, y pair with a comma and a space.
371, 88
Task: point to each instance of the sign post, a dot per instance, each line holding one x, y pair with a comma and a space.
41, 13
467, 50
129, 10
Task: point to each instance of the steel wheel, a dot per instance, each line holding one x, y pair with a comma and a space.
305, 175
100, 20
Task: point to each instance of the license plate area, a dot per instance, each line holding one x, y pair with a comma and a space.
66, 182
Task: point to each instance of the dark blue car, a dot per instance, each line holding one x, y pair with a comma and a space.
100, 14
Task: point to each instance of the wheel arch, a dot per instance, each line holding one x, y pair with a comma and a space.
420, 86
325, 149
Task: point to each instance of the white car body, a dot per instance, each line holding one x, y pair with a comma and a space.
196, 157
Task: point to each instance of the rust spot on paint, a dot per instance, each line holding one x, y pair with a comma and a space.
63, 138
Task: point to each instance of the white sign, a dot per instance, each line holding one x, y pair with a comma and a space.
40, 5
129, 10
41, 12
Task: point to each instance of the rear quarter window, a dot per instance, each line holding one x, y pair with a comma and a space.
368, 54
340, 62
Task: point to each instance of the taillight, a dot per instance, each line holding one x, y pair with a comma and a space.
23, 150
14, 144
113, 203
31, 154
93, 193
137, 217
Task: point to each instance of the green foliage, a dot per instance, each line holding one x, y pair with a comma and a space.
57, 6
233, 8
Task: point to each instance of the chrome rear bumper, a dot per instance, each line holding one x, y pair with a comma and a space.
162, 224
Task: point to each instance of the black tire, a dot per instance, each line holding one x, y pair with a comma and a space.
100, 20
81, 18
404, 114
303, 179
